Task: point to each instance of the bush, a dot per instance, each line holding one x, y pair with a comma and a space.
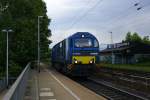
14, 69
2, 72
144, 59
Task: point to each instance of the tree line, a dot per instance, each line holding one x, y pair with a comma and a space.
134, 37
22, 17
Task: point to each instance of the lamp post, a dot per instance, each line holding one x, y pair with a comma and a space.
111, 37
39, 42
112, 54
7, 74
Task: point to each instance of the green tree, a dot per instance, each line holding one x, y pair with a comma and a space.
128, 37
21, 16
136, 38
146, 40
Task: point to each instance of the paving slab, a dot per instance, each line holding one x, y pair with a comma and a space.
3, 93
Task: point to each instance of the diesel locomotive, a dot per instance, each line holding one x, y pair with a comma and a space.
76, 55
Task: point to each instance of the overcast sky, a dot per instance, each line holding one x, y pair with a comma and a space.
98, 17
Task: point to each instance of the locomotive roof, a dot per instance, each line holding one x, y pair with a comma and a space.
79, 34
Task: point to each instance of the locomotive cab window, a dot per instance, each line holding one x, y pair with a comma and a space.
83, 43
95, 43
60, 45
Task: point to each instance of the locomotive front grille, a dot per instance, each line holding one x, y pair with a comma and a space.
83, 59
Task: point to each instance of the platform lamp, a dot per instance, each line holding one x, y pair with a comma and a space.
7, 31
39, 42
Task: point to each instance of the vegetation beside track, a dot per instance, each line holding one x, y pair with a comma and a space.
22, 16
1, 72
144, 67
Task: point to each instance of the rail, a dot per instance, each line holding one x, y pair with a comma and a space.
145, 80
129, 95
17, 90
134, 78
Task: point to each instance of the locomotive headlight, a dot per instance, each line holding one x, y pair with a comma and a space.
91, 62
75, 61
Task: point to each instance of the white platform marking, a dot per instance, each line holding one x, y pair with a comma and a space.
65, 87
46, 94
45, 89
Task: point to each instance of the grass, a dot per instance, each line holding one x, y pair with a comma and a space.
144, 67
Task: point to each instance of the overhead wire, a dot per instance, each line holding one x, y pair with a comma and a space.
140, 7
146, 5
93, 7
143, 19
84, 15
135, 22
122, 14
76, 16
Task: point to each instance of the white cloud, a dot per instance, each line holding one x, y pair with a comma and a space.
116, 16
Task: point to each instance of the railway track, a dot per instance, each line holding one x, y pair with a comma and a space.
130, 74
108, 91
136, 82
129, 78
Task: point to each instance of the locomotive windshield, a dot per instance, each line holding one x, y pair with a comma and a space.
83, 43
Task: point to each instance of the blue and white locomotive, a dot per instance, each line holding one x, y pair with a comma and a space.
77, 54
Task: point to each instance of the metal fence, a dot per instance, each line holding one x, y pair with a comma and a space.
2, 84
17, 90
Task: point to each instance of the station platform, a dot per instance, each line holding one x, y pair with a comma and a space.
52, 85
3, 93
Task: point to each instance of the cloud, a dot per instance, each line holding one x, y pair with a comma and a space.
118, 16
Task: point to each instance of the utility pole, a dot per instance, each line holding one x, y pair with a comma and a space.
39, 42
7, 63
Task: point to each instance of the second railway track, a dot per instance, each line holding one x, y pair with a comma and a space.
108, 91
